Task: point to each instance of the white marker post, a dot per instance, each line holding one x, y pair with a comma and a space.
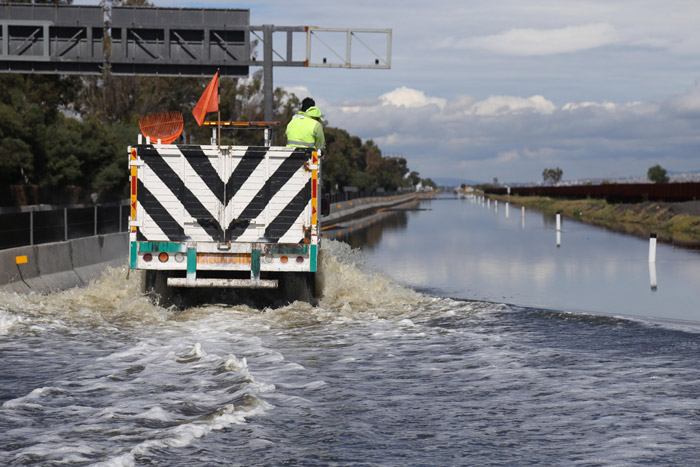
652, 276
652, 248
558, 229
522, 216
507, 210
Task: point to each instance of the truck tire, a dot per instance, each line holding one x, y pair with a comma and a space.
155, 284
299, 286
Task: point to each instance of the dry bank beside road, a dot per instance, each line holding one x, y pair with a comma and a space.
676, 222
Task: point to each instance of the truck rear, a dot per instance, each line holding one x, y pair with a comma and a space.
226, 217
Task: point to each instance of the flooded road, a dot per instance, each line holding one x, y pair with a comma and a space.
465, 249
397, 364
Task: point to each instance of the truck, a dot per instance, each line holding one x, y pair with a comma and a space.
235, 217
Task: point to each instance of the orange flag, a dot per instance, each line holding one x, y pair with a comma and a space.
209, 102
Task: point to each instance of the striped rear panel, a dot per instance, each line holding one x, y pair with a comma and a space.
244, 194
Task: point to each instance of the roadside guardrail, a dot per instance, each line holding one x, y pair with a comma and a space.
34, 225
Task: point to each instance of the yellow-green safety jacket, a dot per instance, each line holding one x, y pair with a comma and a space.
305, 132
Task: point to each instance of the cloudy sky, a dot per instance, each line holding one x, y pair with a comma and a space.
505, 88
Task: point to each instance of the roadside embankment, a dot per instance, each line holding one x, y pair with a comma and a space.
363, 206
61, 265
677, 223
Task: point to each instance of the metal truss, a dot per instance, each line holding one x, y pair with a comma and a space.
43, 38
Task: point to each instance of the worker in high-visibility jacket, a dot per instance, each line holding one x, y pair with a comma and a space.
305, 130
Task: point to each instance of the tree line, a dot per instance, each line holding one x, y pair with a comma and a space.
58, 132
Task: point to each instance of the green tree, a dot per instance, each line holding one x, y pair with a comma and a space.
552, 176
414, 178
59, 131
429, 182
657, 174
29, 105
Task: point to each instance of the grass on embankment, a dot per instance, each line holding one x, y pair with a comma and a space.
639, 219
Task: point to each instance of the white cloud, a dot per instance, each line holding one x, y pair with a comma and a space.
571, 106
514, 138
502, 105
687, 104
505, 157
542, 41
410, 98
300, 91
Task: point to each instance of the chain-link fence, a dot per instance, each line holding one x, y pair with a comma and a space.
350, 195
39, 225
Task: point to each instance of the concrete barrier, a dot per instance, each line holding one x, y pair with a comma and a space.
61, 265
11, 272
362, 206
56, 267
108, 250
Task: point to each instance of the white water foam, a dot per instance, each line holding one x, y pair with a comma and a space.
8, 321
112, 300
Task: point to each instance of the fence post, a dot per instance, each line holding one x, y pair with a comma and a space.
31, 228
95, 224
120, 217
65, 224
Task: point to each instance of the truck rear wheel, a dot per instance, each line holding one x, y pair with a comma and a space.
155, 284
299, 286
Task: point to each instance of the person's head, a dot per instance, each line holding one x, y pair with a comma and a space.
315, 113
306, 103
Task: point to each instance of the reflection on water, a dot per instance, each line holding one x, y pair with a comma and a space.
465, 249
367, 232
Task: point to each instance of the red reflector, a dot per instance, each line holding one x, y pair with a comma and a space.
163, 257
300, 259
147, 257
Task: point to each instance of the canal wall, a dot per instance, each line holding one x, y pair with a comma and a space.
363, 206
61, 265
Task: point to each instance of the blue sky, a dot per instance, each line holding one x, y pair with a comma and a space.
505, 88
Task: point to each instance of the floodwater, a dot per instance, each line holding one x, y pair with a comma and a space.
406, 359
464, 248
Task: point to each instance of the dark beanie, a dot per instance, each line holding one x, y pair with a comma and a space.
306, 103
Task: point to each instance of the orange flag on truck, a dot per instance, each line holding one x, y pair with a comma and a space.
209, 102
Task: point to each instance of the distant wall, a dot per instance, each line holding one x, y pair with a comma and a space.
615, 192
363, 206
61, 265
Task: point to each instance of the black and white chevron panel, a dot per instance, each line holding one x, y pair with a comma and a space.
245, 194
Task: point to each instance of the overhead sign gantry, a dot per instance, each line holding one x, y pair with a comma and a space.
193, 42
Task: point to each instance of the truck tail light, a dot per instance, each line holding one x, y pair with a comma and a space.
147, 257
163, 257
300, 259
284, 259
